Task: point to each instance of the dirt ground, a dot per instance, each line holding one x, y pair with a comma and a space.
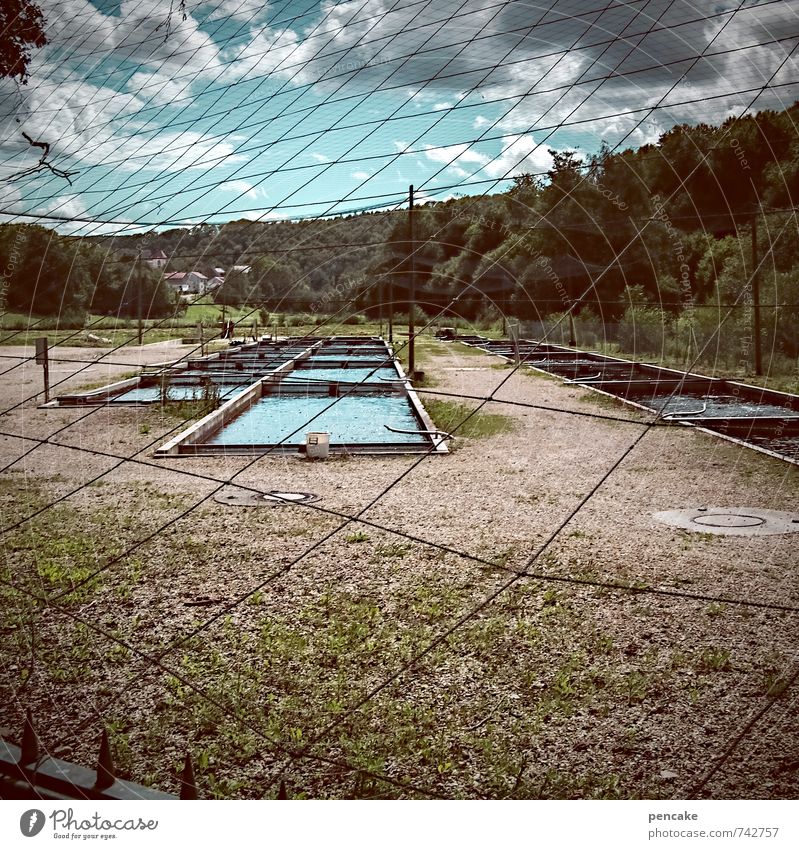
405, 656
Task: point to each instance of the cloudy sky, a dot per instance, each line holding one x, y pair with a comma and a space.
298, 108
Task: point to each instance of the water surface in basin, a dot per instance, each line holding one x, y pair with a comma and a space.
727, 406
347, 375
788, 446
351, 420
355, 359
179, 392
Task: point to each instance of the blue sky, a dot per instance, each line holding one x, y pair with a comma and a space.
285, 109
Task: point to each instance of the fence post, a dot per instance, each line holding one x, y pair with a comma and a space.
514, 334
106, 775
43, 360
188, 786
756, 300
30, 742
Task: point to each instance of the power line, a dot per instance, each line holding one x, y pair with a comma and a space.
467, 418
697, 788
615, 585
474, 611
154, 661
393, 196
405, 8
479, 105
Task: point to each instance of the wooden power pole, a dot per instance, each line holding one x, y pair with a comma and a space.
412, 291
756, 301
139, 298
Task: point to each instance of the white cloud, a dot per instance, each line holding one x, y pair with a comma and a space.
158, 88
267, 52
241, 187
72, 206
361, 175
72, 99
423, 196
520, 155
239, 10
69, 206
454, 154
10, 197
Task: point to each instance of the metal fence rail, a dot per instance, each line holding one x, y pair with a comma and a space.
26, 773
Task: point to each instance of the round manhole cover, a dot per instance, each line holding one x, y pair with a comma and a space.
237, 497
733, 521
290, 497
728, 520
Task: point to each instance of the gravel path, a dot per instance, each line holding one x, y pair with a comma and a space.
554, 689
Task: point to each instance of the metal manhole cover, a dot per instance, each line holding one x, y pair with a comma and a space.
732, 521
236, 497
729, 520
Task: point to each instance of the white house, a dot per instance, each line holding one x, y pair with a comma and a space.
187, 282
155, 259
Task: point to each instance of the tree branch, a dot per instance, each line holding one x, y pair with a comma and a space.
43, 163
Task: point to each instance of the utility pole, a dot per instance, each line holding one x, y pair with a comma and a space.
412, 291
756, 300
514, 335
390, 308
43, 360
139, 298
380, 305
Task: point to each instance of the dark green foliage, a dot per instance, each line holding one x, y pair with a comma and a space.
21, 28
48, 274
669, 224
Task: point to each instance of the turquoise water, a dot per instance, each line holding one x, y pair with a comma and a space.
350, 375
352, 420
355, 359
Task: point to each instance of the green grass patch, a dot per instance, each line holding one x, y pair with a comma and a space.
98, 384
468, 351
447, 415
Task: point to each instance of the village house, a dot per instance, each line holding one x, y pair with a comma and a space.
187, 282
155, 259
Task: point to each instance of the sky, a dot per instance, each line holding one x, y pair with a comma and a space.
304, 108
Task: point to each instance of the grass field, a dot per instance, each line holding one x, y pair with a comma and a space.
549, 689
104, 331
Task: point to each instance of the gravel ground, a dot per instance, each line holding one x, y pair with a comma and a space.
551, 689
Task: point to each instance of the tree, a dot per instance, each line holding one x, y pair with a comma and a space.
21, 28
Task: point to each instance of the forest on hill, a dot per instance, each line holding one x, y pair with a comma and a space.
660, 233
